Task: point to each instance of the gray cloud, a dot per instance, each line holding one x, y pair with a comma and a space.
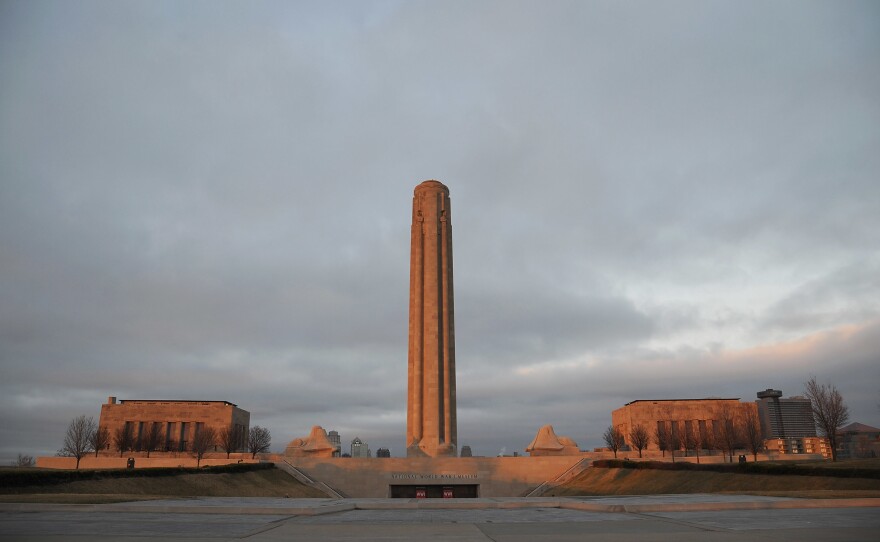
205, 201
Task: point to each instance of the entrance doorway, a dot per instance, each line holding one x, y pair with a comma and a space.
462, 491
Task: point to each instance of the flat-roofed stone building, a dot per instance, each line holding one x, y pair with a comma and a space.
675, 416
176, 422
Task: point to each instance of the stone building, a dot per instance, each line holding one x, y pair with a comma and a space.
858, 441
675, 416
798, 445
175, 422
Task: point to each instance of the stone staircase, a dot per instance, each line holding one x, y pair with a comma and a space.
572, 471
304, 478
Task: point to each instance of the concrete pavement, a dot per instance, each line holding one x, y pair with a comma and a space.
644, 518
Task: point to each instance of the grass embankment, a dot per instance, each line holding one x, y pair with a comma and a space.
789, 480
102, 486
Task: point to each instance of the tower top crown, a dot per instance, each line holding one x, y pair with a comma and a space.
432, 186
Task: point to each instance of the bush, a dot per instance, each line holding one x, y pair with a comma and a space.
742, 468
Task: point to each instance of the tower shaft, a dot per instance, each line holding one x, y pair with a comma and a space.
431, 410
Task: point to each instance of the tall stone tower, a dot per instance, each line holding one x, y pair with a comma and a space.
431, 424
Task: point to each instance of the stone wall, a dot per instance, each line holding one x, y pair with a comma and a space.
496, 476
103, 462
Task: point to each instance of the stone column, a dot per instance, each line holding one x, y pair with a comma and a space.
431, 427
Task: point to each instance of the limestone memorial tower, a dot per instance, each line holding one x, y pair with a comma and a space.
431, 426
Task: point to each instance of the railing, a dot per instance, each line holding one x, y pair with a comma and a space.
567, 475
303, 477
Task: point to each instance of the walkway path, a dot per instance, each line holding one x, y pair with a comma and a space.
648, 518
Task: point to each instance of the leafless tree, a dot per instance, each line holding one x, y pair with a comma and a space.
151, 440
639, 438
203, 441
728, 431
682, 438
750, 429
77, 440
829, 410
259, 440
100, 438
708, 438
614, 439
674, 439
230, 439
661, 437
123, 438
695, 440
23, 461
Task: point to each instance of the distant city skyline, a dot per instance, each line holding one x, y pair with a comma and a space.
211, 201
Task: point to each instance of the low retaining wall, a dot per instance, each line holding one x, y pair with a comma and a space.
495, 476
92, 462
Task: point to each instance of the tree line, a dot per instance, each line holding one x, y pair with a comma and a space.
84, 436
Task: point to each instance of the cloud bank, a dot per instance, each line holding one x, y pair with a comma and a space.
212, 201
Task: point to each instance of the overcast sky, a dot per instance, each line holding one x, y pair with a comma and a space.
650, 200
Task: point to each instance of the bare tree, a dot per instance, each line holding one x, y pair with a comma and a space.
123, 438
151, 440
614, 439
204, 439
99, 439
708, 438
230, 439
23, 461
674, 439
639, 438
750, 429
695, 440
77, 440
661, 437
728, 431
682, 438
259, 440
829, 410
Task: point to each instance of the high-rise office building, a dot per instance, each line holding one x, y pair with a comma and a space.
334, 439
788, 425
785, 418
359, 448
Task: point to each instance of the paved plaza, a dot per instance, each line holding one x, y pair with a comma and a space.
660, 517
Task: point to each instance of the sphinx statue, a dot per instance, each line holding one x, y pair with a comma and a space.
315, 445
547, 442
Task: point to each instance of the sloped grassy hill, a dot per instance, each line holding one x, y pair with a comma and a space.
806, 481
36, 485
